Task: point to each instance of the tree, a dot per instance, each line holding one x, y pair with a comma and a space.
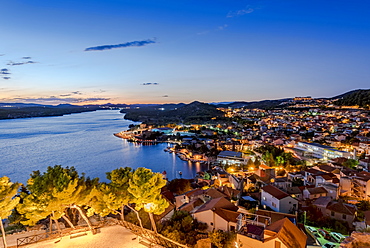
179, 186
145, 186
110, 197
182, 228
7, 201
50, 194
350, 163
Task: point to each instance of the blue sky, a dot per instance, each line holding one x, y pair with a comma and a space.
179, 51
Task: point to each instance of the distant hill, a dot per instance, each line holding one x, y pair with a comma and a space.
355, 97
264, 104
195, 112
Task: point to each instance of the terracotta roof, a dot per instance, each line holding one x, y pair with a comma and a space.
214, 193
228, 215
221, 202
318, 190
194, 192
342, 208
275, 192
322, 201
230, 192
327, 168
275, 216
287, 232
294, 190
191, 205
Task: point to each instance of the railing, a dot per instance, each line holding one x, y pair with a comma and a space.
74, 233
151, 237
33, 238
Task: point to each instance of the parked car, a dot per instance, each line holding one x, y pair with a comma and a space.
311, 229
324, 234
338, 237
329, 245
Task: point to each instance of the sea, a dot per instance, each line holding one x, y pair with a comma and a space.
85, 141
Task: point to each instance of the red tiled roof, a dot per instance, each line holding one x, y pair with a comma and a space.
275, 192
288, 233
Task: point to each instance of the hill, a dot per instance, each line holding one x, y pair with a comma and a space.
195, 112
356, 97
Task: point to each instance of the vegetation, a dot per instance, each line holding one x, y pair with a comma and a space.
41, 111
7, 201
179, 186
195, 112
358, 97
182, 228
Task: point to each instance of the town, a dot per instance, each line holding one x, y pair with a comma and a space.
278, 178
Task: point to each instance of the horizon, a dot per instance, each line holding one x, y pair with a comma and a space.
161, 52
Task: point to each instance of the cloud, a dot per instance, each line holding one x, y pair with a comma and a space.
150, 83
26, 57
76, 93
222, 27
165, 96
6, 78
123, 45
2, 54
57, 100
4, 71
11, 63
241, 12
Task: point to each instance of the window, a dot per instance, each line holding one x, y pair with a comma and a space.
274, 205
264, 198
344, 216
232, 228
332, 213
211, 223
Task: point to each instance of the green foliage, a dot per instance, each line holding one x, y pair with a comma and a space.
7, 192
358, 97
145, 187
363, 205
182, 228
350, 163
222, 239
114, 195
54, 191
179, 186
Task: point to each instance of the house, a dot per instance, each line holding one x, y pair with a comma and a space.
187, 197
219, 214
282, 183
336, 209
280, 234
314, 193
278, 200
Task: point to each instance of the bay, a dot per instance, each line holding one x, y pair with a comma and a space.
85, 141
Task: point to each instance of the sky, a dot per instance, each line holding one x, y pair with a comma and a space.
160, 51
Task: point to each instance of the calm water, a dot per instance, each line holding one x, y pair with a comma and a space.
84, 141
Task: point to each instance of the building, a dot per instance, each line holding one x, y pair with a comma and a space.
280, 234
278, 200
319, 151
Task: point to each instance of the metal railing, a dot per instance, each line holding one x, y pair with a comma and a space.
152, 237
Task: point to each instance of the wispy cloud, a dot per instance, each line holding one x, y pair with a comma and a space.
123, 45
11, 63
165, 96
57, 100
246, 10
26, 58
2, 54
222, 27
4, 74
150, 83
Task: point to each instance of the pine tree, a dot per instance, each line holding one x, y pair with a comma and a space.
145, 187
7, 201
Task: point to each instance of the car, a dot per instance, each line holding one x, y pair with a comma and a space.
338, 237
311, 229
329, 245
324, 234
